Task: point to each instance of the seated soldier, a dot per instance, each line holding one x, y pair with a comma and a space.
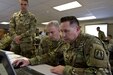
5, 40
51, 41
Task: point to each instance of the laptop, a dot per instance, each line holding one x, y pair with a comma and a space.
6, 68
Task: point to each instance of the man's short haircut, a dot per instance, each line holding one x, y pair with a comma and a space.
98, 27
71, 19
53, 23
25, 0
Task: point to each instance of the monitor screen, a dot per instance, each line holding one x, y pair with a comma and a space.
5, 65
2, 70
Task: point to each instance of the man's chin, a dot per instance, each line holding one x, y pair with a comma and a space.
67, 41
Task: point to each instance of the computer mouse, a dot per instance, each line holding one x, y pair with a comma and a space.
17, 66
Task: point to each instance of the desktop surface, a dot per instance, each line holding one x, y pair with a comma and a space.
43, 68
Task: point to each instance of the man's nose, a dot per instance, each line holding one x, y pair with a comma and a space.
63, 34
49, 34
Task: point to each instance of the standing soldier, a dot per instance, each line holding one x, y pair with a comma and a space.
101, 34
22, 28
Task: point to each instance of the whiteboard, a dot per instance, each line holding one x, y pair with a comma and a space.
91, 29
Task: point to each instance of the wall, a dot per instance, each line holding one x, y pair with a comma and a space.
4, 26
41, 27
109, 21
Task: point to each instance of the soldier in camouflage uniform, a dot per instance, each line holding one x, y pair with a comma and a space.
5, 39
22, 28
51, 41
84, 54
101, 34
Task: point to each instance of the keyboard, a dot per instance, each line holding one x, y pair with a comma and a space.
27, 71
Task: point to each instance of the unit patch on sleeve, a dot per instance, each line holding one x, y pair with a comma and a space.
99, 54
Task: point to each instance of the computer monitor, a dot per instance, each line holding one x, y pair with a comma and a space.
5, 66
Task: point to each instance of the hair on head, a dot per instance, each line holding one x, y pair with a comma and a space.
71, 19
53, 23
24, 0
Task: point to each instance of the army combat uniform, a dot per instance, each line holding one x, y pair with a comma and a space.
47, 45
86, 55
101, 35
5, 41
23, 24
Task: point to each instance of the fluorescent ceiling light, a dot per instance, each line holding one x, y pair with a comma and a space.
87, 18
45, 23
67, 6
4, 23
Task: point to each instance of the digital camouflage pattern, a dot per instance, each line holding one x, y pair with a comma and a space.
47, 45
84, 56
101, 35
5, 41
23, 24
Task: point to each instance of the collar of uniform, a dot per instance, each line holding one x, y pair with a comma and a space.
23, 13
56, 41
76, 42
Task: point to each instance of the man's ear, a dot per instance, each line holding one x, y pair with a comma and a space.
78, 28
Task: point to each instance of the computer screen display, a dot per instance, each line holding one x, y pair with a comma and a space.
5, 65
2, 70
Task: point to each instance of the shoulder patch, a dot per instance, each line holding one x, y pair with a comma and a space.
99, 54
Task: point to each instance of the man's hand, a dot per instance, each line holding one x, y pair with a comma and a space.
24, 61
58, 70
17, 39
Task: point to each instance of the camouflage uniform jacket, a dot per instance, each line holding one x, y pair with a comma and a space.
101, 35
5, 41
47, 45
23, 24
84, 56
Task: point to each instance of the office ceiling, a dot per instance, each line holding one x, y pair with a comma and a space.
44, 12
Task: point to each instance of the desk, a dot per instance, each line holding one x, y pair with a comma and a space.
35, 70
43, 68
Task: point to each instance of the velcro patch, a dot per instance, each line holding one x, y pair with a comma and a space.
98, 54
